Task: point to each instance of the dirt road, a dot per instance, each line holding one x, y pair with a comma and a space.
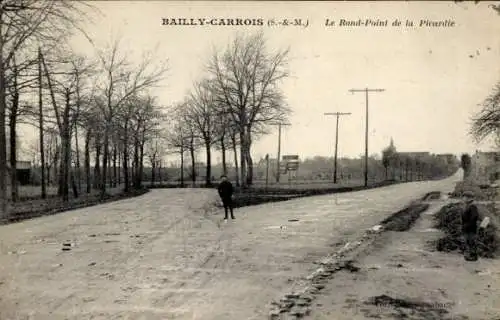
165, 256
404, 277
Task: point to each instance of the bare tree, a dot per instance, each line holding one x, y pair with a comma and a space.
90, 123
193, 141
147, 120
388, 157
121, 80
223, 138
202, 114
23, 22
178, 137
246, 87
235, 142
155, 150
19, 80
65, 81
487, 121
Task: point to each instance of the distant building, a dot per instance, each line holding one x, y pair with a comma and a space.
447, 157
486, 165
23, 172
415, 154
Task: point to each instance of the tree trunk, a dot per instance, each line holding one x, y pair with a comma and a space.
63, 128
136, 163
73, 184
13, 142
57, 156
60, 171
66, 141
110, 167
105, 160
182, 167
141, 164
242, 160
87, 160
125, 165
3, 145
40, 124
78, 170
159, 172
223, 151
97, 163
119, 167
193, 164
153, 167
208, 178
235, 151
406, 170
248, 157
132, 168
250, 167
115, 156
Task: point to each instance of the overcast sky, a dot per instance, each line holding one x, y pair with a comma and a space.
432, 84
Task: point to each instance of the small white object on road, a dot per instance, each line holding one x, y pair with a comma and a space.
274, 227
375, 229
315, 273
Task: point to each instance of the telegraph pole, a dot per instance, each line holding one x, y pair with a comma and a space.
338, 114
279, 124
366, 90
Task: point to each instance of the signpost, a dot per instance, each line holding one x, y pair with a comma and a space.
291, 164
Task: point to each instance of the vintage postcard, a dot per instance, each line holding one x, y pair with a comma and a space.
229, 160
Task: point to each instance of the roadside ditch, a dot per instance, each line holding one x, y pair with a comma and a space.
297, 304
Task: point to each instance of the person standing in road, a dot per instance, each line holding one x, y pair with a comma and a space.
226, 191
470, 219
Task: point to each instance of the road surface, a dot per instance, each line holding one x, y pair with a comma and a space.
165, 255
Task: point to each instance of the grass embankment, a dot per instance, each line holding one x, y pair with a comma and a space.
254, 196
448, 219
36, 207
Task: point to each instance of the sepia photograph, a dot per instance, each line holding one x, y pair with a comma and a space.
245, 160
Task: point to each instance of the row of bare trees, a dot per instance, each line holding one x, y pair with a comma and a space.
107, 103
96, 117
24, 26
232, 106
407, 166
100, 106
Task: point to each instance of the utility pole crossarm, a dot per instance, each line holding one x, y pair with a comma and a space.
366, 90
337, 113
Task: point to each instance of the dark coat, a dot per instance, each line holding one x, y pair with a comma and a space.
225, 189
470, 217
